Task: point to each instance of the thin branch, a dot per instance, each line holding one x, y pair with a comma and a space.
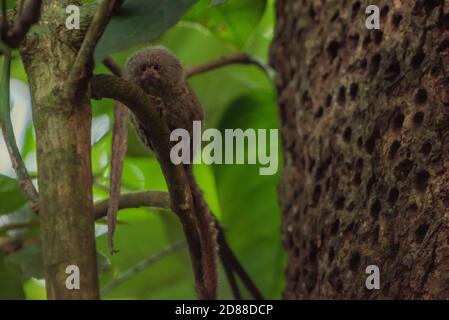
239, 58
230, 276
17, 225
93, 35
24, 179
156, 199
28, 15
142, 265
229, 257
113, 66
162, 200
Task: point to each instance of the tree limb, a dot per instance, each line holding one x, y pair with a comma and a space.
112, 66
93, 34
142, 265
146, 108
161, 199
239, 58
25, 182
157, 199
29, 14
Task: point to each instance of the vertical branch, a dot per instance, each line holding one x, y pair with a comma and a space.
93, 34
62, 124
26, 185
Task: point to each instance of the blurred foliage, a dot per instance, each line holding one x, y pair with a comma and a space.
233, 97
10, 192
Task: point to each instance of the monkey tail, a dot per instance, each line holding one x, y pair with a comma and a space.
208, 236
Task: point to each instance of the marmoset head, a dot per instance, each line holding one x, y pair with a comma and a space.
154, 68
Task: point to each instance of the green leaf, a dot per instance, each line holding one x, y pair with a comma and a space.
11, 197
29, 259
140, 21
248, 200
11, 287
232, 20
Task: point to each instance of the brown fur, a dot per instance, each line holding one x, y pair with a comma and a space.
160, 73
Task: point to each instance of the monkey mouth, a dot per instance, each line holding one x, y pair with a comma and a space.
150, 76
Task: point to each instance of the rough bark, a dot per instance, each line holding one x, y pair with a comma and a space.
62, 124
365, 127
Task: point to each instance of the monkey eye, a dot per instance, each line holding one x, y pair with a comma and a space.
157, 66
143, 67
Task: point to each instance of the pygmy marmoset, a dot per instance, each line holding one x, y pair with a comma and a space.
160, 74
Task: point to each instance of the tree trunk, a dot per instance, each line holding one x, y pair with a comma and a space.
62, 125
365, 127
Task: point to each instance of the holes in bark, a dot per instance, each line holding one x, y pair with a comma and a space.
342, 95
335, 16
319, 113
413, 207
396, 20
429, 5
333, 48
340, 203
393, 71
443, 46
418, 118
417, 59
353, 90
358, 179
366, 41
375, 209
378, 36
350, 206
322, 168
355, 8
335, 227
421, 232
426, 148
307, 99
328, 101
384, 11
402, 170
371, 142
350, 227
359, 164
360, 142
312, 12
354, 261
374, 65
394, 149
354, 40
313, 252
376, 234
363, 63
421, 96
398, 120
347, 134
331, 254
316, 194
370, 184
393, 195
421, 180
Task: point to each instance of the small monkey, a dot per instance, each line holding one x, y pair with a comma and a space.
160, 74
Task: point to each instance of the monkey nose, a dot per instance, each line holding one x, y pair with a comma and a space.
150, 75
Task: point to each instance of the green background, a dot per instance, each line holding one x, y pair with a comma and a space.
237, 96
